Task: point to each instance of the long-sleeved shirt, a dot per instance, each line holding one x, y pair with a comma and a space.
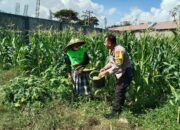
118, 61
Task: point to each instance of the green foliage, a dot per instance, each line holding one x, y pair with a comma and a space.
35, 91
155, 60
92, 21
175, 12
10, 43
163, 118
155, 68
45, 49
66, 15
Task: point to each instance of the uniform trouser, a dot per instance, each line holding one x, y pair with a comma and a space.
121, 85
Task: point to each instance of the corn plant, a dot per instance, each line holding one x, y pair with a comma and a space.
153, 63
10, 43
155, 60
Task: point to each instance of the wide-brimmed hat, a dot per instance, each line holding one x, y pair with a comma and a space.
74, 41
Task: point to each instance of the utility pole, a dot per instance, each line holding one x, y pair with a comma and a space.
50, 15
37, 8
85, 18
17, 8
87, 14
105, 22
25, 10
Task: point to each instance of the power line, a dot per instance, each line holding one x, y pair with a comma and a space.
87, 15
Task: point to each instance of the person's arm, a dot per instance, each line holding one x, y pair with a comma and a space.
103, 71
118, 61
84, 63
106, 67
115, 65
68, 66
86, 59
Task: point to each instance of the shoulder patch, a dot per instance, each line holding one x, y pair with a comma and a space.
118, 56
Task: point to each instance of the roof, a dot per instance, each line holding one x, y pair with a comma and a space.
166, 25
130, 28
156, 26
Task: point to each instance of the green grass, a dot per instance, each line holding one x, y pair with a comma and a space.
59, 115
88, 115
82, 115
7, 75
163, 118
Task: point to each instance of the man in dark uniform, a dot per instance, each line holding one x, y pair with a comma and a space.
120, 65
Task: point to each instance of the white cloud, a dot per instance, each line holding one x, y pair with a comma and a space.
101, 20
136, 15
55, 5
44, 12
112, 11
78, 5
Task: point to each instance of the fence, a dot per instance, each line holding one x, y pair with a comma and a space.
26, 24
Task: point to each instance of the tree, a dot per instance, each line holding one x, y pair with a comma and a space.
66, 15
126, 23
91, 21
175, 12
81, 22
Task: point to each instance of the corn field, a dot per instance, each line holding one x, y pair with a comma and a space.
155, 60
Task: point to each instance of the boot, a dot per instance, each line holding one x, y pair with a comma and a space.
111, 114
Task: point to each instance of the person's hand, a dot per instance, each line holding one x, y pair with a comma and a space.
102, 73
76, 72
79, 71
69, 77
101, 70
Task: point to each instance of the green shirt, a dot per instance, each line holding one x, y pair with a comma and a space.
76, 56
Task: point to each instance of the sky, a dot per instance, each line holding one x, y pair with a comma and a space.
115, 11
